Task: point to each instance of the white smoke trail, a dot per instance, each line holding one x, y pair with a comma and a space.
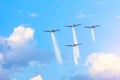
75, 42
57, 51
93, 34
75, 55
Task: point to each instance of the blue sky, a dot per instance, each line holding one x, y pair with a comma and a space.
26, 51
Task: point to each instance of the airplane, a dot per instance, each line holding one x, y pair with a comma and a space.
91, 26
73, 45
52, 30
73, 25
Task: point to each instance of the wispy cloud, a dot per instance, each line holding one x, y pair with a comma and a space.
29, 13
82, 15
118, 17
33, 15
37, 78
104, 66
33, 63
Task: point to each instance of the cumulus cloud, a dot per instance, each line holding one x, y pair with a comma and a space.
104, 66
22, 49
21, 36
18, 50
37, 78
4, 46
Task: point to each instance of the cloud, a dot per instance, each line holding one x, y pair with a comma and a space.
4, 46
21, 36
104, 66
37, 78
22, 48
28, 13
33, 63
82, 15
33, 15
89, 17
18, 51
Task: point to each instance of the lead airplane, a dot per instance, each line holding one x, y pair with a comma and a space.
52, 30
91, 26
73, 45
73, 25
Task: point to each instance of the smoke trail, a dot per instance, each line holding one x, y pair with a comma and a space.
93, 34
75, 55
58, 55
75, 42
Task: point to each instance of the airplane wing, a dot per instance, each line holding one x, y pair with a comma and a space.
56, 30
87, 27
96, 26
68, 26
77, 24
73, 25
47, 31
79, 44
70, 45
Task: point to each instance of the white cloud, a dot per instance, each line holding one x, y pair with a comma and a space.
33, 63
23, 49
33, 15
37, 78
18, 51
20, 36
104, 66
